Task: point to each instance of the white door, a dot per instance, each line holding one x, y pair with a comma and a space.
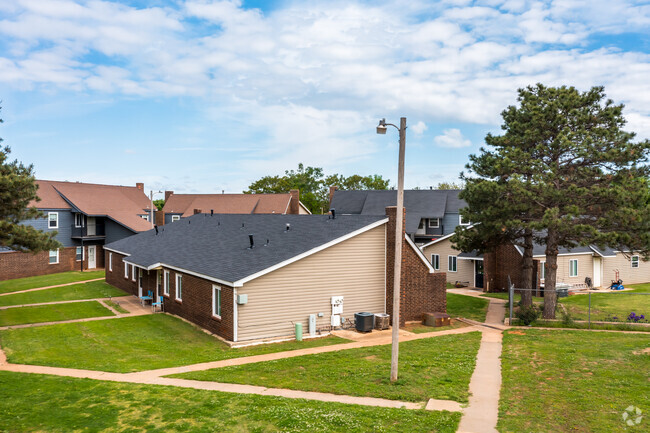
91, 226
139, 282
598, 281
92, 262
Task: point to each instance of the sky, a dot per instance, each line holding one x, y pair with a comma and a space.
204, 96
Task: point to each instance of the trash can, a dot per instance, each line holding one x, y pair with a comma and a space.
298, 331
364, 321
382, 321
562, 293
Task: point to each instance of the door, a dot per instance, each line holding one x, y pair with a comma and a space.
91, 226
92, 262
159, 280
139, 282
597, 272
478, 274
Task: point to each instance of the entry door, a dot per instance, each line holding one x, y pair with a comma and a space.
597, 272
92, 263
478, 274
159, 280
139, 282
91, 226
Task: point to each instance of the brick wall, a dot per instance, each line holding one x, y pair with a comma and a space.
196, 303
421, 292
504, 261
294, 204
20, 265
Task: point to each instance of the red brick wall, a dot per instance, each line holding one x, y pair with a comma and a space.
294, 204
421, 292
196, 304
20, 265
505, 261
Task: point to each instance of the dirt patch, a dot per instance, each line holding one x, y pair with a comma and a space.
645, 351
517, 332
371, 357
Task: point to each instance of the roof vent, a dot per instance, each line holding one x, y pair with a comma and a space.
242, 226
250, 238
268, 241
211, 212
333, 212
288, 227
156, 227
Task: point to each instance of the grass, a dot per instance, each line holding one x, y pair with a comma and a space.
418, 328
469, 307
30, 402
437, 367
540, 323
52, 313
573, 381
115, 306
604, 306
129, 344
48, 280
90, 290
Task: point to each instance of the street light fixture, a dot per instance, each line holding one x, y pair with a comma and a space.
397, 273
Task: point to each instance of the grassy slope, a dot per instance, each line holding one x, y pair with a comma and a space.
91, 290
572, 381
48, 280
437, 367
52, 313
57, 404
128, 344
467, 306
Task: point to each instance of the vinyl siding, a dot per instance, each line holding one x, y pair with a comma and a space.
585, 268
465, 268
628, 274
115, 231
449, 223
66, 219
354, 269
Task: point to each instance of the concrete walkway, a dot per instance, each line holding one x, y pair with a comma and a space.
51, 287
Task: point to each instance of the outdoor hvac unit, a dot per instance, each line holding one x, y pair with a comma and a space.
364, 322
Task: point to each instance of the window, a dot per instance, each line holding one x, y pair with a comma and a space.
573, 267
435, 261
53, 220
175, 217
179, 287
635, 261
216, 301
145, 217
461, 222
110, 262
542, 271
434, 223
132, 272
78, 220
126, 270
54, 257
80, 254
452, 264
167, 283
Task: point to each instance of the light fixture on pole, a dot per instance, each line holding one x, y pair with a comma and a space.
397, 273
151, 193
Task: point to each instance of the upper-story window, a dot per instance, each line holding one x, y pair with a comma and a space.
462, 222
78, 220
175, 217
53, 220
145, 217
434, 223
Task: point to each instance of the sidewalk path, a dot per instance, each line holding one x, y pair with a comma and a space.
51, 287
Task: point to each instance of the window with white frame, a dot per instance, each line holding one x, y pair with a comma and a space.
110, 262
434, 223
216, 301
635, 261
179, 287
175, 217
452, 264
133, 273
573, 267
78, 220
435, 261
145, 217
53, 220
167, 283
126, 270
54, 257
542, 270
80, 254
461, 222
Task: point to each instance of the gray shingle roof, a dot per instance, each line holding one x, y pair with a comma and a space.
217, 246
418, 203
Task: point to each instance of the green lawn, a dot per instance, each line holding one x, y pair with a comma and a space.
573, 381
91, 290
437, 367
418, 328
30, 402
48, 280
52, 313
129, 344
468, 307
605, 306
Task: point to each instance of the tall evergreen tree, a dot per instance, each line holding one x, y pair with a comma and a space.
17, 189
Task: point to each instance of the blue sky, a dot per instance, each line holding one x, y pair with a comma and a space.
204, 96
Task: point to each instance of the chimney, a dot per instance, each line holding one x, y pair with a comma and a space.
197, 211
168, 194
159, 217
140, 186
391, 213
294, 204
332, 189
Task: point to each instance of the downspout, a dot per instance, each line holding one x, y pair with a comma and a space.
234, 314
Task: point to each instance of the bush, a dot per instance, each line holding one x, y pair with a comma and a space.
527, 315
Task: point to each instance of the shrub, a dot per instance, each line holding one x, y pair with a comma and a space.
527, 315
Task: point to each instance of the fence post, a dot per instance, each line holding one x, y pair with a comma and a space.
511, 298
589, 310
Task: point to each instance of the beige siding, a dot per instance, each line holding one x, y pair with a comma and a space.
585, 268
354, 269
465, 268
628, 274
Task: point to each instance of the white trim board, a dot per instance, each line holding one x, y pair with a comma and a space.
469, 258
419, 253
435, 241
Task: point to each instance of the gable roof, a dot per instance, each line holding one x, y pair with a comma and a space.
217, 247
123, 204
185, 204
418, 203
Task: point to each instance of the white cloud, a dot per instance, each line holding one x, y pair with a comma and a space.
451, 138
419, 128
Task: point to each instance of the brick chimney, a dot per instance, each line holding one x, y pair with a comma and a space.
197, 211
294, 204
332, 189
391, 213
140, 186
168, 194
